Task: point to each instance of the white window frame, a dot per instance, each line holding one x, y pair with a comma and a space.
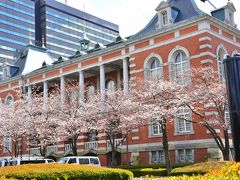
221, 51
155, 124
185, 66
7, 144
182, 155
186, 114
11, 105
90, 90
111, 86
157, 157
157, 72
164, 17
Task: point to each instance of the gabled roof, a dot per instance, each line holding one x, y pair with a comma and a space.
187, 9
32, 59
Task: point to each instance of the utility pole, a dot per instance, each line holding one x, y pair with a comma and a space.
209, 3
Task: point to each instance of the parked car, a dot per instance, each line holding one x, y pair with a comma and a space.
20, 161
87, 160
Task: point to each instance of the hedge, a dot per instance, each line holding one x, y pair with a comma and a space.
148, 172
199, 168
153, 166
64, 172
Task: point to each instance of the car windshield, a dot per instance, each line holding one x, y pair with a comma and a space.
62, 160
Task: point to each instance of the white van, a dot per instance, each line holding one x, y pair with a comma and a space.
20, 161
87, 160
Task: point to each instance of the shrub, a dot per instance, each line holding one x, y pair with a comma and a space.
148, 172
153, 166
199, 168
63, 172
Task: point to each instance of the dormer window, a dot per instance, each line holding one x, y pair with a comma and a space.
164, 18
166, 14
225, 14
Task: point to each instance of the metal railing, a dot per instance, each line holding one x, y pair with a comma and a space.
91, 145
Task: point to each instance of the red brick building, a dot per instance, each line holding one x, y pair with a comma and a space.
178, 37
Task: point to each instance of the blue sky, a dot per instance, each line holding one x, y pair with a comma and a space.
133, 15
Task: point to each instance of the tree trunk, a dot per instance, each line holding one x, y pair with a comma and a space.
114, 158
74, 144
226, 151
166, 146
43, 151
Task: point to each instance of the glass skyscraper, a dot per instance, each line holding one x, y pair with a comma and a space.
61, 27
17, 26
58, 25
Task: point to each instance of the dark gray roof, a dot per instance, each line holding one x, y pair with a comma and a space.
187, 9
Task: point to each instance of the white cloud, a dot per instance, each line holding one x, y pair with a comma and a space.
133, 15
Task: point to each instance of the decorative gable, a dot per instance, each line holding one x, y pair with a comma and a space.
166, 14
225, 14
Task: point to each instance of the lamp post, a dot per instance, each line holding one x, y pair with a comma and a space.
232, 73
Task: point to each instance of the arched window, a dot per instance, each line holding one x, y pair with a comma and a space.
90, 91
154, 67
111, 86
9, 101
181, 65
220, 55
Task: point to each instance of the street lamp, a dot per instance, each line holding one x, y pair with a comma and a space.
232, 73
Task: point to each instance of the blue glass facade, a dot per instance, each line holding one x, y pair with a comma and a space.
17, 26
62, 27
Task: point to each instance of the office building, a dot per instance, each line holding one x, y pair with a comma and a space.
58, 25
17, 27
61, 27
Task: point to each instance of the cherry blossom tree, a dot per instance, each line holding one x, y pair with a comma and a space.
160, 103
205, 96
74, 115
14, 123
117, 115
42, 130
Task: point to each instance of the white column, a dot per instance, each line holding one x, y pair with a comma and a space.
125, 75
119, 79
29, 92
62, 89
81, 85
45, 95
102, 81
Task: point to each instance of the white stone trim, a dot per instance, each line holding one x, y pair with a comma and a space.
135, 138
205, 46
217, 131
176, 34
205, 61
132, 65
211, 113
151, 42
135, 130
203, 25
131, 59
206, 38
136, 71
123, 52
131, 48
203, 54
